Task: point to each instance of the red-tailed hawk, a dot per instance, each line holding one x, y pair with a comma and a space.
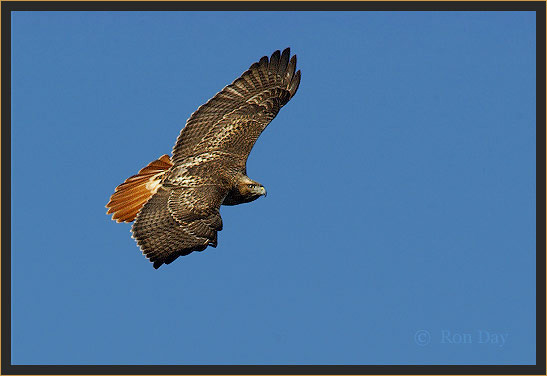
176, 201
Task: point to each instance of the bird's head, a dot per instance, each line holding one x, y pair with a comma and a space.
250, 189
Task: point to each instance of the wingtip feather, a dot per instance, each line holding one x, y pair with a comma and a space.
295, 82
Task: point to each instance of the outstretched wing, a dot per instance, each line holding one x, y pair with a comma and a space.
233, 119
177, 221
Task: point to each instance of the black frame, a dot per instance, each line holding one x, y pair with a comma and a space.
7, 368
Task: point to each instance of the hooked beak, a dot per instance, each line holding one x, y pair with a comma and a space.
263, 191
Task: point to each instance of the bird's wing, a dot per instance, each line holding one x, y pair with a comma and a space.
233, 119
177, 221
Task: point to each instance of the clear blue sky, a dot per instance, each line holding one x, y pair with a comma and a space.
400, 216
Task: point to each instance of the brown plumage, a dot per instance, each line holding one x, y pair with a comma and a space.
176, 201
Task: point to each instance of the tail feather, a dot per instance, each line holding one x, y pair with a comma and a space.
130, 196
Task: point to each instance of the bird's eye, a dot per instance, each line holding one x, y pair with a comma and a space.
251, 185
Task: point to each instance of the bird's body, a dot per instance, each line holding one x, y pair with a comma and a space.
175, 201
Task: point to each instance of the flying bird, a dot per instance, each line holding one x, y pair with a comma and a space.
175, 201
